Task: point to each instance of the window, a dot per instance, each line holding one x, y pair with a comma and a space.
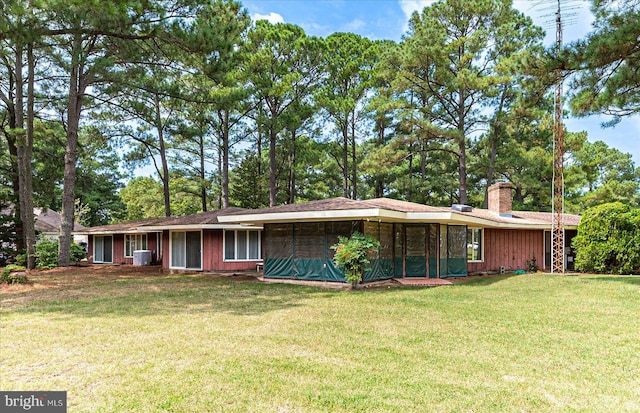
186, 250
134, 242
242, 245
474, 244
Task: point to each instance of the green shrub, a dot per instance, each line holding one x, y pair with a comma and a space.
77, 253
352, 255
21, 258
47, 254
9, 277
608, 240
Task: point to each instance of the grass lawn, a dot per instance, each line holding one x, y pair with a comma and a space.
198, 343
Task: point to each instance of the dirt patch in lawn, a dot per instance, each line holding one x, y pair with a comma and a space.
87, 276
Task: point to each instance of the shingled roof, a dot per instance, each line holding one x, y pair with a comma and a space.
341, 209
331, 204
405, 211
129, 226
153, 224
48, 221
203, 218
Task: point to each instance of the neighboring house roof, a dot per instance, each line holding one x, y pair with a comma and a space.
48, 221
391, 210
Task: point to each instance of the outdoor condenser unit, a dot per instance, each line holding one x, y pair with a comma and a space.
142, 257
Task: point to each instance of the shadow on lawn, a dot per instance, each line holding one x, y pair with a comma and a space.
180, 295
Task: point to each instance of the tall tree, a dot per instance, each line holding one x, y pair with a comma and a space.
348, 64
19, 32
283, 68
449, 60
89, 38
608, 62
217, 38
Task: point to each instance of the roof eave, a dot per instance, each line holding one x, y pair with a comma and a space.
183, 227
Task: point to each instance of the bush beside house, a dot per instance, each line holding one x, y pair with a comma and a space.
608, 240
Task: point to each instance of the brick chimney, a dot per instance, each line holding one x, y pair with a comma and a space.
500, 199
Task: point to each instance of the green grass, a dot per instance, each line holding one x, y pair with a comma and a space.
200, 344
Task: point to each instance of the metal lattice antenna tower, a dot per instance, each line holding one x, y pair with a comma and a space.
557, 221
557, 201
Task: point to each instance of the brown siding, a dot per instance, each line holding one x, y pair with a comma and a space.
90, 248
165, 249
510, 248
212, 254
118, 250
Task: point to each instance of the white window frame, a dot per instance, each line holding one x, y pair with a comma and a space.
158, 244
94, 249
171, 266
137, 243
472, 229
235, 245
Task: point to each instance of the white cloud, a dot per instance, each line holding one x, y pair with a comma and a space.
354, 25
272, 17
409, 6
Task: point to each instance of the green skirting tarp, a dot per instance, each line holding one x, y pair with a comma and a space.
311, 269
333, 273
379, 269
397, 267
453, 267
278, 268
457, 267
416, 266
433, 268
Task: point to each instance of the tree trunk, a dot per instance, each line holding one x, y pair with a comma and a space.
28, 225
225, 160
379, 183
203, 187
354, 154
14, 174
292, 173
462, 150
220, 178
272, 165
163, 158
345, 161
74, 108
24, 145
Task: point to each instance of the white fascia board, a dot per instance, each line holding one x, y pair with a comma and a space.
160, 228
332, 214
129, 231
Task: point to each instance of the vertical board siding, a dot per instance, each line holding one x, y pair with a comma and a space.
212, 254
118, 250
90, 249
511, 248
165, 249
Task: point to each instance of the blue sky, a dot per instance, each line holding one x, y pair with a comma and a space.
387, 19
